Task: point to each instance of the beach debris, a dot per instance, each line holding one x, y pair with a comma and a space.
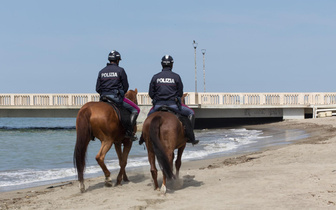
60, 185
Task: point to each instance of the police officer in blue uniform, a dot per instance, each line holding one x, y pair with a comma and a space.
112, 82
166, 88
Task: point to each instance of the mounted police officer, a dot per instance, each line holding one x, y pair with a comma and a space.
166, 88
112, 82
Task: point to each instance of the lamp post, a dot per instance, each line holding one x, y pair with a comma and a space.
203, 52
195, 46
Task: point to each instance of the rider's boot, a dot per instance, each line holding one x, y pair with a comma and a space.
129, 132
190, 131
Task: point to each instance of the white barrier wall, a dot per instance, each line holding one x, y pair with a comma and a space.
191, 99
291, 105
46, 99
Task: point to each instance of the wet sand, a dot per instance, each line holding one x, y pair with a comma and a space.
301, 175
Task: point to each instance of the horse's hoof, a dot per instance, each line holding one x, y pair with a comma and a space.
163, 189
81, 187
108, 184
118, 184
125, 179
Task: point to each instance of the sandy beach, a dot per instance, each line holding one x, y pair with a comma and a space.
296, 176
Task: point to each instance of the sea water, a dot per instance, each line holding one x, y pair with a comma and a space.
39, 151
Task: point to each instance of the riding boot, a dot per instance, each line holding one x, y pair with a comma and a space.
130, 131
190, 131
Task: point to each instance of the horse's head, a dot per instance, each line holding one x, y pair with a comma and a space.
132, 95
183, 98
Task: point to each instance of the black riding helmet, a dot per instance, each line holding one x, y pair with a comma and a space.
114, 56
167, 61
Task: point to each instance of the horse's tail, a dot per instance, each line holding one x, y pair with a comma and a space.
84, 135
159, 151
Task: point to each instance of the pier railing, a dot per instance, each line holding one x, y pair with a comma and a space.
224, 99
39, 100
268, 99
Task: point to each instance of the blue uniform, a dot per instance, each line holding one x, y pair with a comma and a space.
112, 82
110, 79
164, 88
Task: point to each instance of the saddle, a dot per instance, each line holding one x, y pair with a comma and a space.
184, 119
122, 112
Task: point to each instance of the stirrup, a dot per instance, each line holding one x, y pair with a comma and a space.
193, 142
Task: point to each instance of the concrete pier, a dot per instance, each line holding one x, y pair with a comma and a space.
206, 105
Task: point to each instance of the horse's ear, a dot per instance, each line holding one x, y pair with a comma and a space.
136, 91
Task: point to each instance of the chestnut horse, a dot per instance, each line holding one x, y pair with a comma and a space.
163, 132
100, 120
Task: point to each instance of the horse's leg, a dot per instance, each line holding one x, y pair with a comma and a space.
163, 186
151, 159
164, 179
105, 147
126, 151
122, 156
178, 161
119, 153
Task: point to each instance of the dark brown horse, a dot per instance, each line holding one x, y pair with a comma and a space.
163, 132
100, 120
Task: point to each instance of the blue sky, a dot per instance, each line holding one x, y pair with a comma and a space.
251, 46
